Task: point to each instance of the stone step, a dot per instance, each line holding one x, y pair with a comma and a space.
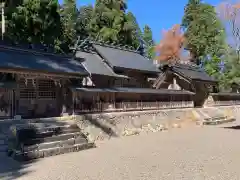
219, 121
211, 114
24, 135
54, 144
215, 118
44, 128
57, 128
30, 155
60, 137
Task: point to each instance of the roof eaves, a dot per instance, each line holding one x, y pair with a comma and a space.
133, 90
56, 59
193, 78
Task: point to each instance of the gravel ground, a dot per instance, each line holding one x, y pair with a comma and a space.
192, 153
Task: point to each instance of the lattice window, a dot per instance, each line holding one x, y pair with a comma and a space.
27, 94
27, 89
46, 89
40, 88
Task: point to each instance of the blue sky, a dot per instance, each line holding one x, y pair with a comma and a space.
158, 14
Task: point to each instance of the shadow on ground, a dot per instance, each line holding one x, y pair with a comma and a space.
233, 127
97, 122
11, 169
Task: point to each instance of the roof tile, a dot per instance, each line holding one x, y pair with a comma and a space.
27, 60
119, 58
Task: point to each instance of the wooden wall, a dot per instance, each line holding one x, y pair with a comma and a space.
102, 101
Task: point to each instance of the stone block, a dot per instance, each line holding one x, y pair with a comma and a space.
80, 140
67, 143
51, 152
49, 145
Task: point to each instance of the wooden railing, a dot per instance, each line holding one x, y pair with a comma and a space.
129, 106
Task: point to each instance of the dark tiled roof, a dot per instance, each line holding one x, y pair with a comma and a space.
192, 72
119, 58
134, 90
95, 65
21, 59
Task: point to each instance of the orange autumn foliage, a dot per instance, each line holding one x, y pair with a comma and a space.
170, 48
237, 6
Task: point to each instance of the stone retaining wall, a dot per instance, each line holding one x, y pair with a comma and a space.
108, 125
213, 101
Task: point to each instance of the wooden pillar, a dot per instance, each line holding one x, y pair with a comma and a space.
67, 103
62, 100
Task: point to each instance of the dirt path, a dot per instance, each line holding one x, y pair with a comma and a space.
191, 153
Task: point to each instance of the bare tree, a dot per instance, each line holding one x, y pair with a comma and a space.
229, 13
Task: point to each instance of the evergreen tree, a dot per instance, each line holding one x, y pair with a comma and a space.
149, 43
135, 35
12, 3
203, 31
68, 19
35, 21
230, 73
123, 5
110, 23
85, 15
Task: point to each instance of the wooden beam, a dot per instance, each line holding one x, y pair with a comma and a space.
37, 74
159, 80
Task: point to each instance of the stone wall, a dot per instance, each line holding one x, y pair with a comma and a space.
109, 125
212, 101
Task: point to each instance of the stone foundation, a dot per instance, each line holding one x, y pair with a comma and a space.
109, 125
215, 101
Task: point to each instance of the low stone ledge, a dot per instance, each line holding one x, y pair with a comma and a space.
30, 155
116, 124
105, 126
219, 121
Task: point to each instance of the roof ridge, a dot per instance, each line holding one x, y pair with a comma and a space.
189, 67
33, 51
88, 41
119, 47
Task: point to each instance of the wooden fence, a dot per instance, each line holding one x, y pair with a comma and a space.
129, 106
